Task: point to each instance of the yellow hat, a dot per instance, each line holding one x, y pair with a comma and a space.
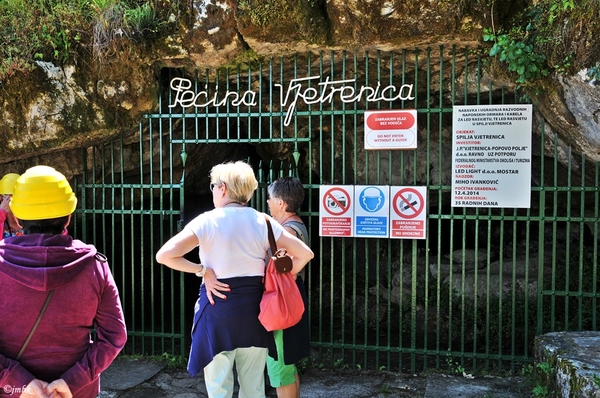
42, 193
7, 183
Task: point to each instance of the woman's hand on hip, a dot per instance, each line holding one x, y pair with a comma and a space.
213, 286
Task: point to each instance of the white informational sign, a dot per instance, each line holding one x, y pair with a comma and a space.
491, 156
391, 129
408, 218
371, 211
336, 215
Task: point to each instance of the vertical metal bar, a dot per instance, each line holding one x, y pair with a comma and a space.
540, 237
463, 239
321, 239
354, 291
451, 227
439, 210
580, 284
414, 265
343, 270
389, 275
555, 199
567, 285
365, 314
553, 287
377, 260
428, 157
179, 276
595, 248
155, 226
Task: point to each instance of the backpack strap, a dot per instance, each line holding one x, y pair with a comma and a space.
299, 234
35, 325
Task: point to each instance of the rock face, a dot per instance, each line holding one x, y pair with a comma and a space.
572, 360
57, 109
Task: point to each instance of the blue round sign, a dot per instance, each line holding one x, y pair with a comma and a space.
371, 199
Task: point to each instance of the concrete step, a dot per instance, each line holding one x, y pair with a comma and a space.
575, 360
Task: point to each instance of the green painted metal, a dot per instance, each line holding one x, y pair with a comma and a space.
375, 303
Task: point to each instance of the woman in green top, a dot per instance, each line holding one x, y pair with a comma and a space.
290, 345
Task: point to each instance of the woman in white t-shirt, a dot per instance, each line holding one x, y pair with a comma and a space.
232, 241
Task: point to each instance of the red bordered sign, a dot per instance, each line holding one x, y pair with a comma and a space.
409, 218
336, 214
408, 203
336, 201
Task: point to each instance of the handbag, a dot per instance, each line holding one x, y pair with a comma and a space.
281, 305
283, 262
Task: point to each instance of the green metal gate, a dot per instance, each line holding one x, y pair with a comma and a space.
375, 303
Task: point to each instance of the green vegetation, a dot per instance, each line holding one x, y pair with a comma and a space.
552, 35
243, 61
540, 376
62, 31
518, 55
174, 361
263, 13
454, 367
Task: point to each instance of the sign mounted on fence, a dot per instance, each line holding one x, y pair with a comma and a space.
391, 129
491, 156
408, 219
336, 215
371, 211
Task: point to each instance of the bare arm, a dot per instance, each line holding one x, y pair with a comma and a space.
300, 252
171, 255
172, 252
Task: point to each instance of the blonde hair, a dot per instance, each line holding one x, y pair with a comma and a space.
238, 177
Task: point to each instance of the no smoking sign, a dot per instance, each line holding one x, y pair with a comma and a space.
409, 218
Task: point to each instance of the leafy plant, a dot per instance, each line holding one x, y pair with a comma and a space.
519, 56
63, 30
551, 35
454, 367
174, 361
540, 376
557, 7
142, 21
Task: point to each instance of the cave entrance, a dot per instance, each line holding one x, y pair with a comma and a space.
476, 291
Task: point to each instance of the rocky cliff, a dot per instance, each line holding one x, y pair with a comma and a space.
56, 109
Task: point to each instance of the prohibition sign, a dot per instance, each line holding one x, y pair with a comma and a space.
411, 207
338, 203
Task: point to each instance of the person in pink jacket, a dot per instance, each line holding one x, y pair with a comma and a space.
55, 289
9, 226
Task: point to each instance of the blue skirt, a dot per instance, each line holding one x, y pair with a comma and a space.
229, 324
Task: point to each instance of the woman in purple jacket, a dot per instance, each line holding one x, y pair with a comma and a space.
54, 290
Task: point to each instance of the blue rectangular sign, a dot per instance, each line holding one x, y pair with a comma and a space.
371, 226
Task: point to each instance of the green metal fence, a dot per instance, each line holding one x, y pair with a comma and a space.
474, 294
